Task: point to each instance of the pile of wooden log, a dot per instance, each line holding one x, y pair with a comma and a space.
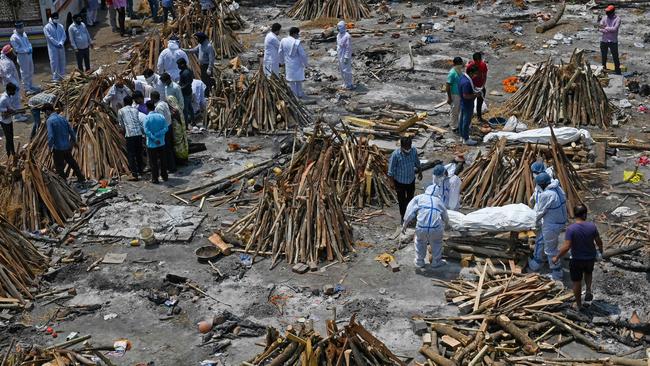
191, 20
57, 354
300, 217
507, 318
144, 55
101, 147
20, 266
632, 240
353, 345
267, 104
503, 176
568, 94
33, 197
338, 9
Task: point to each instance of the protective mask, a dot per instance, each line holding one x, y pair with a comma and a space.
55, 21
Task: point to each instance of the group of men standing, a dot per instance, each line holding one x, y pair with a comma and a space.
290, 52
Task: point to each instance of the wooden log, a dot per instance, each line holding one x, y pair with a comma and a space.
434, 356
576, 334
448, 330
529, 345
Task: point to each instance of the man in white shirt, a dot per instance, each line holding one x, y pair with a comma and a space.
172, 89
9, 105
8, 71
271, 51
81, 42
115, 96
295, 61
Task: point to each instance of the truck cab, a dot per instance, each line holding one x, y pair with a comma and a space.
35, 14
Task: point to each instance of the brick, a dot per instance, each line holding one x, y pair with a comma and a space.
426, 339
300, 268
420, 327
394, 266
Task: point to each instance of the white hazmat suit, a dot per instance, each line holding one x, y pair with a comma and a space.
431, 221
550, 208
167, 60
55, 36
8, 72
344, 54
271, 54
454, 187
440, 187
295, 61
23, 49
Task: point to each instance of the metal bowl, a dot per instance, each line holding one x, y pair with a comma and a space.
207, 253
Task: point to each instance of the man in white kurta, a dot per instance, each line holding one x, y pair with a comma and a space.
271, 51
344, 55
295, 61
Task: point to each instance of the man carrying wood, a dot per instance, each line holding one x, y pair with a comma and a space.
581, 238
60, 139
271, 51
9, 105
609, 26
295, 61
550, 208
431, 221
344, 52
402, 166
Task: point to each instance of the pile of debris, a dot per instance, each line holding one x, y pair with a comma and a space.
301, 216
338, 9
508, 318
61, 354
220, 329
567, 93
353, 345
630, 239
503, 176
21, 264
33, 197
191, 19
101, 147
267, 104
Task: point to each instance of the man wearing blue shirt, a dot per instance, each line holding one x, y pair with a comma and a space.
60, 139
467, 96
155, 127
81, 42
402, 166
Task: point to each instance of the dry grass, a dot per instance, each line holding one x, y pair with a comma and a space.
319, 23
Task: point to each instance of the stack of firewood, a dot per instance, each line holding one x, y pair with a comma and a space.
507, 318
632, 240
144, 55
300, 217
565, 93
101, 147
503, 176
33, 197
191, 20
57, 354
20, 265
338, 9
353, 345
267, 104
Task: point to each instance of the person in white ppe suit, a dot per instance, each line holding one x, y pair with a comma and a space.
8, 71
295, 61
429, 229
453, 171
23, 49
55, 36
344, 55
271, 50
169, 56
440, 187
550, 208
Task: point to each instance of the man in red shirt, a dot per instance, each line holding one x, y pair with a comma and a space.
479, 81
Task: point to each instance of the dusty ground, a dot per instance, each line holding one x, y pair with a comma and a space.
383, 300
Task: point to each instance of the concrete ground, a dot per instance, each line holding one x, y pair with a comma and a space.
384, 301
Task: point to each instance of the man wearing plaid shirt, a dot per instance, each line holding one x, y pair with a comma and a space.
402, 166
131, 122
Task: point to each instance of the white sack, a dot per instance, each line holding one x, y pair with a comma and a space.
515, 217
564, 135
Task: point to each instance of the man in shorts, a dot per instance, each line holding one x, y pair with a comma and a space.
581, 238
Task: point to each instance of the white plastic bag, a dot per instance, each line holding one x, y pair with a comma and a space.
564, 136
515, 217
485, 105
513, 125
